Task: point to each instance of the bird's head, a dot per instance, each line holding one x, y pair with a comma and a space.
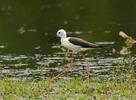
61, 33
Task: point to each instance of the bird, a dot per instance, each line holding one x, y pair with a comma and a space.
76, 45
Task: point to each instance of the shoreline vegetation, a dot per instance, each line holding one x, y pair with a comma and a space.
118, 85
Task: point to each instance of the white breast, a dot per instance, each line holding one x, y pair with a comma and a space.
65, 42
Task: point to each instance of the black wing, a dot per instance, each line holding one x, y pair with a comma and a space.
83, 43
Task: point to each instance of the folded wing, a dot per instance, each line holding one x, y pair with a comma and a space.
83, 43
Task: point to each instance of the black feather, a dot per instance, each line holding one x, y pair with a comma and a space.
83, 43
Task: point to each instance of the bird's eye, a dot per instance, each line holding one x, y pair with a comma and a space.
59, 32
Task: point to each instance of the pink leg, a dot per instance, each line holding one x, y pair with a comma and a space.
63, 71
87, 65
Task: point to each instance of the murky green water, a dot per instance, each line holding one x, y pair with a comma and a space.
28, 35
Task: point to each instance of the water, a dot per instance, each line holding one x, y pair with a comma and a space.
28, 42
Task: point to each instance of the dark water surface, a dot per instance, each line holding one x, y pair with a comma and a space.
28, 42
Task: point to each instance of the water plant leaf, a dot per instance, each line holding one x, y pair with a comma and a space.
124, 50
129, 38
129, 43
21, 30
122, 34
63, 48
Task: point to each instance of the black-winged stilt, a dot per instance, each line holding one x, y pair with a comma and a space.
76, 45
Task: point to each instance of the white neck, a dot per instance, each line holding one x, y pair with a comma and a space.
63, 36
